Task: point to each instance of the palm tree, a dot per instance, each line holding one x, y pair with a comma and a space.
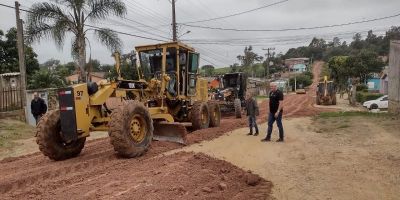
54, 19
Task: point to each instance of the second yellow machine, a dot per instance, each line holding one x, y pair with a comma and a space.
168, 96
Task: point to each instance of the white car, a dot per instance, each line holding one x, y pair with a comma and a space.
380, 103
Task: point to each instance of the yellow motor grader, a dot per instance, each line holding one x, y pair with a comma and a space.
326, 92
168, 96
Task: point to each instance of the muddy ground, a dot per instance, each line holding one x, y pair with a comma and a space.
98, 173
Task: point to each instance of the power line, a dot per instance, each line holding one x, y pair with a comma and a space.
236, 14
292, 29
96, 27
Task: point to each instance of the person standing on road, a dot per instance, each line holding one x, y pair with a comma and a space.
38, 107
252, 111
275, 113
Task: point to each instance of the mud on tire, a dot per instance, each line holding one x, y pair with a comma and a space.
131, 129
238, 108
200, 115
215, 114
50, 141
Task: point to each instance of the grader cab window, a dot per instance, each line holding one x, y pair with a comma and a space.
171, 69
151, 62
192, 72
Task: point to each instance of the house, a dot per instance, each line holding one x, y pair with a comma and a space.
299, 68
294, 61
374, 85
379, 82
10, 80
94, 77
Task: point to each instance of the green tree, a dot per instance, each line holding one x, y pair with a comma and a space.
128, 68
363, 64
317, 48
339, 71
9, 60
55, 19
45, 79
208, 70
248, 59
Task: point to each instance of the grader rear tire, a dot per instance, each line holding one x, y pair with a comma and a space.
50, 141
131, 129
238, 108
200, 115
215, 114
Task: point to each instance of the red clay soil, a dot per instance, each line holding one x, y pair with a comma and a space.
99, 174
178, 176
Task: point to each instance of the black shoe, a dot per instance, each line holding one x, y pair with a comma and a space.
249, 133
265, 140
280, 140
256, 134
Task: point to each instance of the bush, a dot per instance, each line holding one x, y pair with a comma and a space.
364, 96
361, 87
301, 79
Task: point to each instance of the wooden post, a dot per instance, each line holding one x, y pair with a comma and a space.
21, 54
174, 34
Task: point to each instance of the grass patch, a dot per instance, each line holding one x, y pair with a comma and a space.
352, 114
11, 130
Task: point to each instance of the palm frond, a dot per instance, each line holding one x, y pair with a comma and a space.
109, 38
100, 9
47, 19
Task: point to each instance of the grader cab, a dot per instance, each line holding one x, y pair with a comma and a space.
168, 96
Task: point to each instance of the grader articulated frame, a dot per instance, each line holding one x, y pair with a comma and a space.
168, 96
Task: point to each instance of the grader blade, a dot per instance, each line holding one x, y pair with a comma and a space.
171, 132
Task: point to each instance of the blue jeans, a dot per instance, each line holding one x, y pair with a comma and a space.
271, 120
253, 123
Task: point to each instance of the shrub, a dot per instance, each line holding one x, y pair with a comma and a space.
361, 87
365, 96
301, 79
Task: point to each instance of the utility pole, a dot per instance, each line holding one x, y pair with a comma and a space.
21, 54
174, 34
268, 62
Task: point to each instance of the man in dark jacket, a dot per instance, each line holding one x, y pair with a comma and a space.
275, 113
38, 107
252, 112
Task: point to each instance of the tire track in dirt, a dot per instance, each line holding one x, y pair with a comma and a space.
97, 161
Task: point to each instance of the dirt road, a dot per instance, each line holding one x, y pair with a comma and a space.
349, 158
99, 173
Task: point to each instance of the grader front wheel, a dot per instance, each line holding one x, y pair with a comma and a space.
215, 114
50, 141
238, 108
200, 115
131, 129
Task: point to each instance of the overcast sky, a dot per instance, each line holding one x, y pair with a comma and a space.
290, 14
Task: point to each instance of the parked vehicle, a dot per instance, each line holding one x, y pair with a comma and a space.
232, 93
380, 103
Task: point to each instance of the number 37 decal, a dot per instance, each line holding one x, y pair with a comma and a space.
79, 93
